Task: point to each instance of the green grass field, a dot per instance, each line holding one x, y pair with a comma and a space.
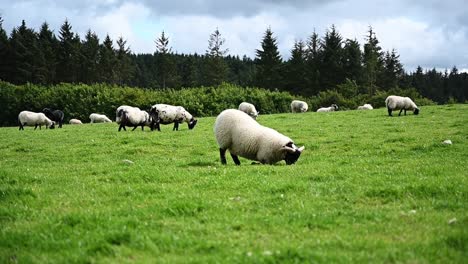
367, 188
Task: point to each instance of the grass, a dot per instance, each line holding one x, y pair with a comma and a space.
368, 188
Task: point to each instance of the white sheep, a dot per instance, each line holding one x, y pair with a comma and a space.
365, 107
98, 118
394, 102
27, 118
75, 121
299, 106
133, 116
122, 107
249, 109
243, 136
332, 108
167, 114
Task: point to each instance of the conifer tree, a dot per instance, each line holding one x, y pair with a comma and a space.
165, 65
5, 58
216, 69
296, 69
125, 67
107, 61
331, 68
269, 63
313, 64
48, 45
352, 59
68, 54
392, 71
90, 58
372, 62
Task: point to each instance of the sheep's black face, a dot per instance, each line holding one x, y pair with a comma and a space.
52, 126
192, 123
416, 111
291, 158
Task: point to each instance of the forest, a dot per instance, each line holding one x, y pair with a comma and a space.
317, 64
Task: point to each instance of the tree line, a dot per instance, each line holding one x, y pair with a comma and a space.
317, 64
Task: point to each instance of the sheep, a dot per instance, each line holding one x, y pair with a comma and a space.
133, 116
249, 109
365, 107
242, 136
299, 106
54, 115
394, 102
332, 108
27, 118
117, 117
167, 114
75, 121
98, 118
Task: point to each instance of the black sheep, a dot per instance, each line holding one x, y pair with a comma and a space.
54, 115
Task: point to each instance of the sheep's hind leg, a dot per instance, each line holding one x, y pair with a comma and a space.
235, 158
389, 112
222, 155
400, 112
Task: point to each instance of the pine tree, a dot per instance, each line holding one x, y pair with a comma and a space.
5, 58
296, 69
125, 67
392, 71
90, 58
165, 66
372, 61
216, 68
352, 59
313, 64
107, 61
68, 54
48, 45
269, 63
331, 70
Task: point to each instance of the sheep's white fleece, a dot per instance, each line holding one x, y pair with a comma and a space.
75, 121
396, 102
28, 118
249, 109
243, 136
168, 114
117, 118
137, 116
365, 107
98, 118
299, 106
328, 109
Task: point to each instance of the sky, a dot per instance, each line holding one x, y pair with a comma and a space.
429, 33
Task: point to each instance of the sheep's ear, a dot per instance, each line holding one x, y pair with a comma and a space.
301, 149
289, 149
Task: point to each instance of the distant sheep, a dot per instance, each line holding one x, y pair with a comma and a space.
75, 121
122, 107
242, 136
394, 102
168, 114
98, 118
133, 116
365, 107
249, 109
332, 108
299, 106
54, 115
27, 118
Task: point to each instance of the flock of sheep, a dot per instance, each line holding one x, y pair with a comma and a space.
235, 130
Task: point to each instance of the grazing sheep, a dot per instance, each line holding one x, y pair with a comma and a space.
365, 107
97, 118
299, 106
133, 116
75, 121
27, 118
332, 108
122, 107
394, 102
54, 115
242, 136
249, 109
167, 114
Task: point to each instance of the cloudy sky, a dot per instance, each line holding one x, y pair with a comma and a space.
430, 33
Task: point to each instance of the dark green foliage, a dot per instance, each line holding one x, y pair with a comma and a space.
331, 67
215, 66
269, 63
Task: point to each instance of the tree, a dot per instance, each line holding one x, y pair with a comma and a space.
296, 69
90, 58
125, 67
68, 54
313, 64
216, 68
165, 65
107, 61
331, 70
392, 71
48, 45
372, 61
269, 63
5, 58
352, 59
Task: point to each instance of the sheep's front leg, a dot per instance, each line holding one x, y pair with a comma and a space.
122, 126
176, 126
222, 155
400, 112
235, 159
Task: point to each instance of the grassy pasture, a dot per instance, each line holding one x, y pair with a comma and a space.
368, 188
